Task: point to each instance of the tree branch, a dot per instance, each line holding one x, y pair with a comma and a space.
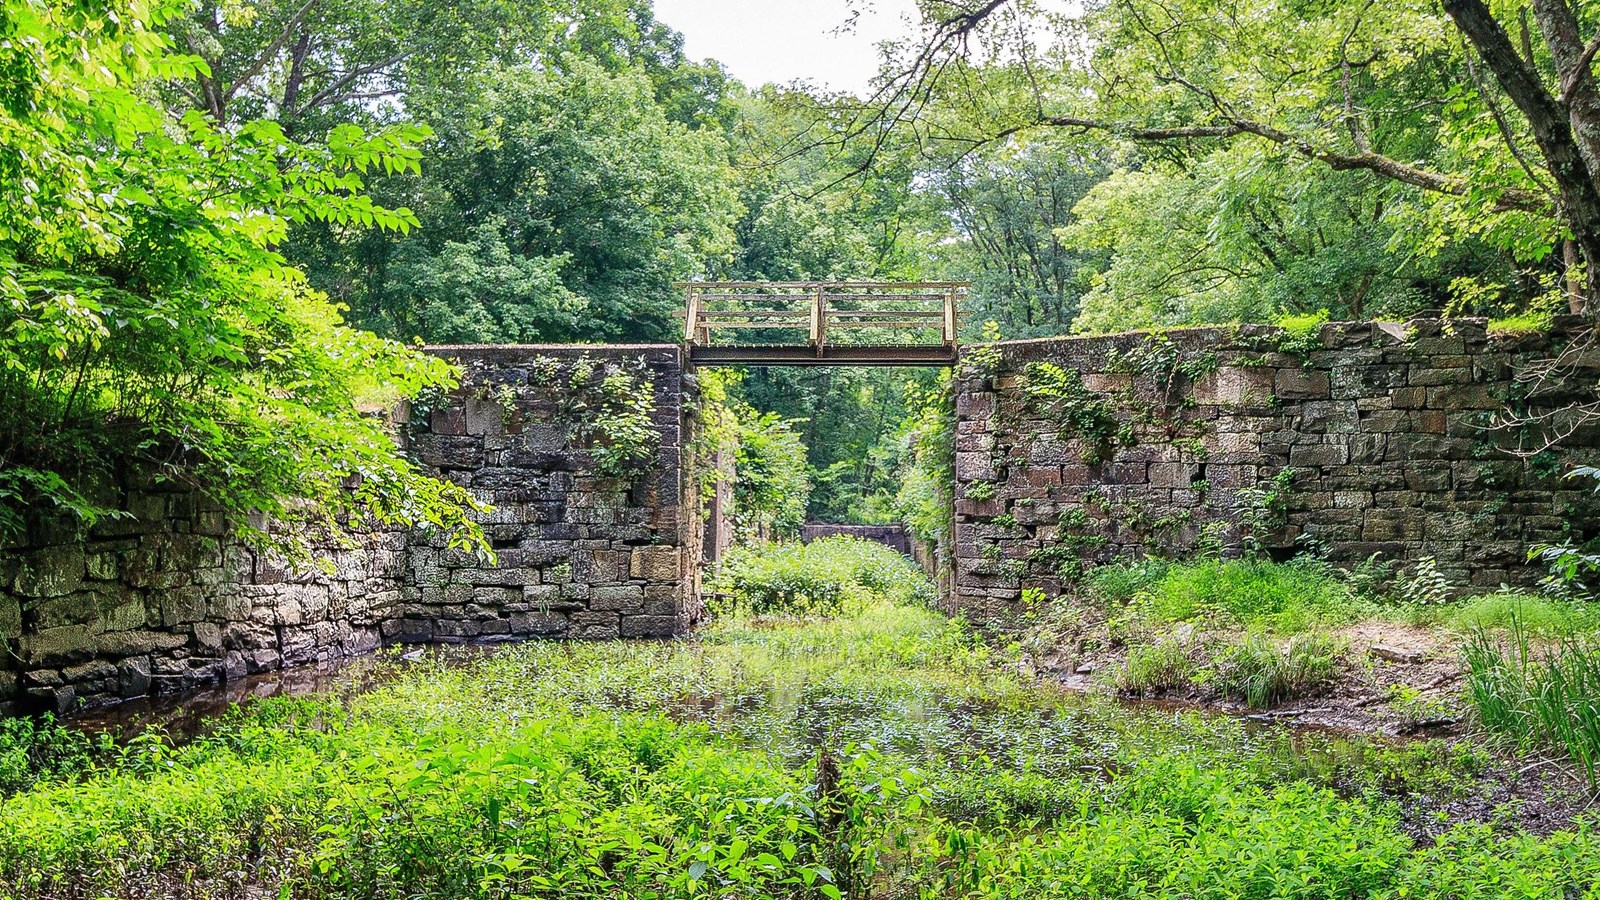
271, 51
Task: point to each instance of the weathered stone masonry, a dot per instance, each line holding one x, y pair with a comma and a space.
1358, 439
167, 600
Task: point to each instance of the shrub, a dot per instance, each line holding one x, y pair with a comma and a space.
147, 314
36, 750
824, 577
1261, 672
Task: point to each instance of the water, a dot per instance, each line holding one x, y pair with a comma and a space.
186, 714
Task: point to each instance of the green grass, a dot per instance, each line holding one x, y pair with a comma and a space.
1253, 593
1262, 671
1154, 669
1526, 323
885, 752
1538, 616
1539, 697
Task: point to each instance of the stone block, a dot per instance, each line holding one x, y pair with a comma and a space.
51, 572
1319, 455
648, 626
140, 643
1428, 376
449, 451
1328, 416
133, 676
1461, 396
537, 623
208, 636
68, 643
1428, 476
656, 564
975, 467
1236, 386
617, 598
1300, 384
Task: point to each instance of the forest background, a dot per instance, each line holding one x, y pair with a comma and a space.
490, 171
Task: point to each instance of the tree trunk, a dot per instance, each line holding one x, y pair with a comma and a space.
1551, 122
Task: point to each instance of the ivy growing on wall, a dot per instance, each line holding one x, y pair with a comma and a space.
610, 410
1084, 415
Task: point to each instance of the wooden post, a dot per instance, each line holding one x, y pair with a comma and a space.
818, 321
691, 316
950, 316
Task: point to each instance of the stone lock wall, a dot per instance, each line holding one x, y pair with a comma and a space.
578, 554
1356, 439
166, 600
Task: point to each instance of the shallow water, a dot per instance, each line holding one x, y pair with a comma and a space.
186, 714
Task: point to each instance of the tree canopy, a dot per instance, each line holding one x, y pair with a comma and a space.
146, 312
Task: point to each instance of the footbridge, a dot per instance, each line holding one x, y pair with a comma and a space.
815, 323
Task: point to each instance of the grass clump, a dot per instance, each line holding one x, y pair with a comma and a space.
1154, 669
1531, 322
1262, 672
825, 577
1539, 699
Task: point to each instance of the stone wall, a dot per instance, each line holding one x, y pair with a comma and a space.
166, 600
892, 536
579, 554
1355, 439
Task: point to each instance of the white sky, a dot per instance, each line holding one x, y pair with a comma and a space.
762, 41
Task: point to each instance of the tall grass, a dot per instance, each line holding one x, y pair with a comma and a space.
1261, 672
1537, 699
691, 769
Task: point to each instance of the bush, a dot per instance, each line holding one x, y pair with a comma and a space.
825, 577
1261, 672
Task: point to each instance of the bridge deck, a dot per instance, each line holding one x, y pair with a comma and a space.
807, 323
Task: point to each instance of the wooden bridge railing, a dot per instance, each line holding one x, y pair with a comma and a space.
822, 323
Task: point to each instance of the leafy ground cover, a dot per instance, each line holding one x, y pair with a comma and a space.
1369, 649
882, 752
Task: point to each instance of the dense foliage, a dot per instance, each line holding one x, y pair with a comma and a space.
146, 313
825, 577
882, 754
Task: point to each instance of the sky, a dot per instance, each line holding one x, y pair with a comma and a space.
781, 41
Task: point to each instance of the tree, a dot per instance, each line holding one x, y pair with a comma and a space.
560, 206
314, 63
1398, 93
145, 317
1008, 210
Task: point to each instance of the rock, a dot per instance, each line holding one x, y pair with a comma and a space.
133, 676
1084, 669
52, 572
1394, 654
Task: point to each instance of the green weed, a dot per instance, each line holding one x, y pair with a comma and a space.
885, 752
1156, 668
1285, 597
1262, 672
824, 577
